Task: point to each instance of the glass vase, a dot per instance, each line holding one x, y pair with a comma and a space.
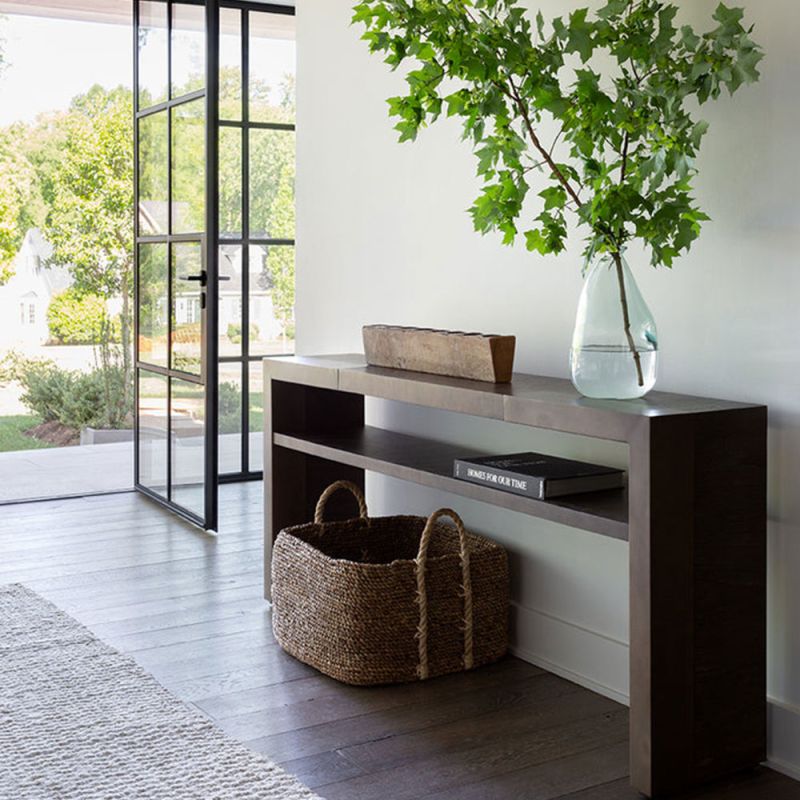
615, 344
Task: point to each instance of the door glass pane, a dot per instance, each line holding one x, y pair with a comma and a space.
188, 48
256, 416
153, 303
153, 434
187, 299
188, 167
230, 418
272, 68
188, 445
230, 183
230, 300
272, 167
153, 172
230, 64
271, 299
152, 53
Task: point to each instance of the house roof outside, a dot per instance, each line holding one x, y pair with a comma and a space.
230, 269
55, 277
58, 278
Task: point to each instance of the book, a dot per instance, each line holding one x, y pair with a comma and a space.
537, 475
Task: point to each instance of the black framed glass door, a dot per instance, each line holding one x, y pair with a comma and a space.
215, 227
176, 103
257, 219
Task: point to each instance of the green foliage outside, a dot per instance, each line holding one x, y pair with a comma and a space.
13, 433
16, 196
75, 318
235, 332
186, 362
230, 408
28, 158
256, 415
97, 399
71, 174
617, 89
280, 259
90, 220
272, 176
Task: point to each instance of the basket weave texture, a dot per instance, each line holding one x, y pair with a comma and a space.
388, 599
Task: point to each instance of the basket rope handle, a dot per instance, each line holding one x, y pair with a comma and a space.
319, 511
422, 591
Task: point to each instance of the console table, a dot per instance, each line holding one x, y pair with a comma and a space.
694, 514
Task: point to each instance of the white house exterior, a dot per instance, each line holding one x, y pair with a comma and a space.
262, 312
25, 298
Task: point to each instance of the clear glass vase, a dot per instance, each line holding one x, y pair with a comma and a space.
615, 344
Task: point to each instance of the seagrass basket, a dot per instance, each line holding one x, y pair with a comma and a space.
388, 599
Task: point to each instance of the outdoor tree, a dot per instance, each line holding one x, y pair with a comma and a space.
273, 196
41, 142
90, 218
21, 202
617, 87
71, 173
28, 157
16, 189
272, 176
281, 258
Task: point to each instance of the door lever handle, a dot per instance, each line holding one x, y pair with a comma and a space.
202, 278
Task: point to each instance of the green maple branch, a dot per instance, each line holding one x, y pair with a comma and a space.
536, 142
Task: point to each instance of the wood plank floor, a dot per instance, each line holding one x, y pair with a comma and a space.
187, 605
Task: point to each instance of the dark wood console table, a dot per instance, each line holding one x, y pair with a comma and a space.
694, 515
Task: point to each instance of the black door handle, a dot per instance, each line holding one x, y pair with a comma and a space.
202, 278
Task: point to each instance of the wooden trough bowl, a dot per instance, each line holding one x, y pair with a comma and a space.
478, 356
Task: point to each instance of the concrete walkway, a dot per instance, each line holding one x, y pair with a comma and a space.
60, 471
65, 471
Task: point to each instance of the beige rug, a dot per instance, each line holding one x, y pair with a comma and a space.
81, 721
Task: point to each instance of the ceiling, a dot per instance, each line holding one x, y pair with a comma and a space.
118, 11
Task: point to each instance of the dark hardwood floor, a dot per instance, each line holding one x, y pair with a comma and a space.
187, 605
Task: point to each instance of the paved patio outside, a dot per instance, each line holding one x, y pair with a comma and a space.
61, 471
64, 471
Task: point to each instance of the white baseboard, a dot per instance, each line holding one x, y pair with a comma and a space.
790, 770
571, 651
783, 746
600, 663
569, 675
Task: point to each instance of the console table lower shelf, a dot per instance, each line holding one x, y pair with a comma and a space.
694, 514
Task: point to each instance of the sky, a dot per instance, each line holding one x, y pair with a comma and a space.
51, 61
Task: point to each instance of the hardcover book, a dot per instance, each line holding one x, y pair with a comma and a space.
537, 475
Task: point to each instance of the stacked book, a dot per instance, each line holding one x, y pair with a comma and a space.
537, 475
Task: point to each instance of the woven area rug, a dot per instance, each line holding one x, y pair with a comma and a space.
80, 720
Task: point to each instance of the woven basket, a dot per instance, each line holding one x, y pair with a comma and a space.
388, 599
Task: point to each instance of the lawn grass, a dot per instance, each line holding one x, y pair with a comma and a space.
12, 433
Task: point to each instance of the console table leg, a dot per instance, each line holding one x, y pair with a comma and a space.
294, 481
697, 599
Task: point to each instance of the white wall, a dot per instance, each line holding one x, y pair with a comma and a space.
383, 237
